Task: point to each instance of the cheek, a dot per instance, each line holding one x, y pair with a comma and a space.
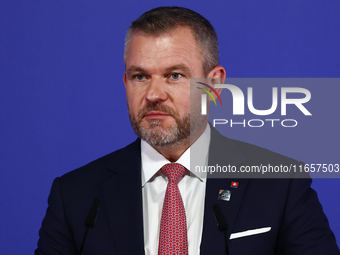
183, 106
130, 98
135, 100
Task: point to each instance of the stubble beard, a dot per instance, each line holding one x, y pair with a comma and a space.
158, 135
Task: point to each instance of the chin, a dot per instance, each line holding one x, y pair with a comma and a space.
151, 124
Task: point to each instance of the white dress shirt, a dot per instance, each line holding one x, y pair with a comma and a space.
192, 188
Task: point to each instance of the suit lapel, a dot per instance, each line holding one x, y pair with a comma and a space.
123, 197
221, 152
123, 201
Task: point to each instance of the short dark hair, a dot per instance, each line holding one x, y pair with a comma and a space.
162, 20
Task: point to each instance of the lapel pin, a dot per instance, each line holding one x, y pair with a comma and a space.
234, 185
224, 195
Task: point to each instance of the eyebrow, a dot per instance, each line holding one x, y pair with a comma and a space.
178, 67
181, 67
135, 69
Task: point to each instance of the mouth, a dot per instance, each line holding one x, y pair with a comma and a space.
156, 115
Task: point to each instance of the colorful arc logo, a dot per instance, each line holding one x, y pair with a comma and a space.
212, 89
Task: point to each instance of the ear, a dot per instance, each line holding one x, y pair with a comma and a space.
124, 78
217, 75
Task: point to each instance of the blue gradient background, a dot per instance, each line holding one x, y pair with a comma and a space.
63, 100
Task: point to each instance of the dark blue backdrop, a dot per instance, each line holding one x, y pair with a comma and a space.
63, 100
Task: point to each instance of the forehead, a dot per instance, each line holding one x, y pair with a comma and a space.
175, 47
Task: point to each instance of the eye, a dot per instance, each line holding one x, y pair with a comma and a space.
175, 76
139, 77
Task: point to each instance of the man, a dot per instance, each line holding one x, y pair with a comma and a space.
164, 48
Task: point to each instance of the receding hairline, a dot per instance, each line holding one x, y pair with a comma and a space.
166, 32
162, 20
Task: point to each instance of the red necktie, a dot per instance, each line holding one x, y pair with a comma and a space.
173, 230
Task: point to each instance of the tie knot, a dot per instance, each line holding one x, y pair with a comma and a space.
173, 171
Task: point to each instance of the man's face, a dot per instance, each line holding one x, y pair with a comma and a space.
157, 83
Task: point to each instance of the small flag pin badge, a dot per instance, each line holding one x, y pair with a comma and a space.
234, 185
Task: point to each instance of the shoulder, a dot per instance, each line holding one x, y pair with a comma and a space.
257, 153
105, 167
250, 152
251, 161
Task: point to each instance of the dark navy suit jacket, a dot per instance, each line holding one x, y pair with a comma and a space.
288, 206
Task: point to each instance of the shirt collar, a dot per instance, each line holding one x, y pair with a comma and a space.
152, 160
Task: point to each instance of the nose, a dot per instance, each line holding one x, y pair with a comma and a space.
156, 90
